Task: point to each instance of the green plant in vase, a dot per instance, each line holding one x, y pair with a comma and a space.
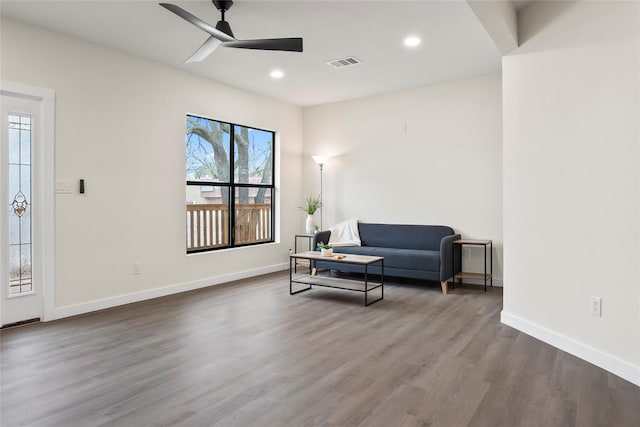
311, 205
325, 249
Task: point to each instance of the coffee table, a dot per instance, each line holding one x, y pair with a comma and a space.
312, 279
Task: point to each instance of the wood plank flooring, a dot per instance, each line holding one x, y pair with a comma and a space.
249, 354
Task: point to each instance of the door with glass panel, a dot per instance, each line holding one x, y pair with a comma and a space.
21, 290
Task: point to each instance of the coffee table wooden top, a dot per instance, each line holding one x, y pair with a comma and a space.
348, 258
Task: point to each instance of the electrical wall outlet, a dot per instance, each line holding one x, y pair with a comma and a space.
596, 306
137, 267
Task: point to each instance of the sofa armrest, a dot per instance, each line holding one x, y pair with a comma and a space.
450, 257
320, 236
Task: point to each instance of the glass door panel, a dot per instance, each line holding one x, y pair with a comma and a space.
19, 167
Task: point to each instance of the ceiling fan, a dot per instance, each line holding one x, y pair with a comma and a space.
221, 34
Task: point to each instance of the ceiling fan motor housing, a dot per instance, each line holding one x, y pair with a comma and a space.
222, 25
222, 5
225, 28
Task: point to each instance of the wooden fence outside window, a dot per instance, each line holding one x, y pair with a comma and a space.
208, 225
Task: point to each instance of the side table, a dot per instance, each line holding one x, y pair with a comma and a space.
309, 238
487, 244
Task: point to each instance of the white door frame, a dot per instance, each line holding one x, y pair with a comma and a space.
44, 224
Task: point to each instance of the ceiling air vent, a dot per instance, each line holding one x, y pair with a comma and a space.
344, 62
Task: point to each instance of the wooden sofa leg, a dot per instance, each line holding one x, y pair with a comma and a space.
444, 287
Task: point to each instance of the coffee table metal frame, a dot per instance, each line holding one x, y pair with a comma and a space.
314, 280
309, 238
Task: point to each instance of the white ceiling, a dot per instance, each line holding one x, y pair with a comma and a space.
454, 43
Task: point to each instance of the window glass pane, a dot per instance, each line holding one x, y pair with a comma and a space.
14, 143
207, 217
253, 156
19, 204
207, 146
25, 262
19, 269
14, 268
252, 215
25, 226
25, 140
14, 228
14, 183
19, 139
25, 182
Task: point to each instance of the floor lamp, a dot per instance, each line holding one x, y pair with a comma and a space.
320, 160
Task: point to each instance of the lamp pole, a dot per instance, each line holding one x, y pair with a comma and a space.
321, 164
320, 160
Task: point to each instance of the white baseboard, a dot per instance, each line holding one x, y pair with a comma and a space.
497, 281
597, 357
74, 310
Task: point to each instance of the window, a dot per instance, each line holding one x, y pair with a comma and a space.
230, 169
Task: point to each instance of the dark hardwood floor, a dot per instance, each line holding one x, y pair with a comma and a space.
249, 354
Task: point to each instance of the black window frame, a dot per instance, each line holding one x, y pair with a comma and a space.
232, 186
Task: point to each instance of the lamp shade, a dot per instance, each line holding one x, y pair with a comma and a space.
321, 160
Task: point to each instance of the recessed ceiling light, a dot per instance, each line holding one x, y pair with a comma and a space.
277, 74
412, 41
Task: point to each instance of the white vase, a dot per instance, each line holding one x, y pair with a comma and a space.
309, 225
326, 252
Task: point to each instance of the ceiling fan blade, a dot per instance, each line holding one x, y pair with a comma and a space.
289, 45
194, 20
205, 50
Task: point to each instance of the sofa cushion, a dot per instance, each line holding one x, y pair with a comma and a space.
403, 236
409, 259
356, 250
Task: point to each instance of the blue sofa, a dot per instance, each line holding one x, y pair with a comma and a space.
412, 251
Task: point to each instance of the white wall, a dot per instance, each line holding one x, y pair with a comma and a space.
120, 124
445, 169
571, 180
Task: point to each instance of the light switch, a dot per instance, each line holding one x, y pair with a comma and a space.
63, 186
